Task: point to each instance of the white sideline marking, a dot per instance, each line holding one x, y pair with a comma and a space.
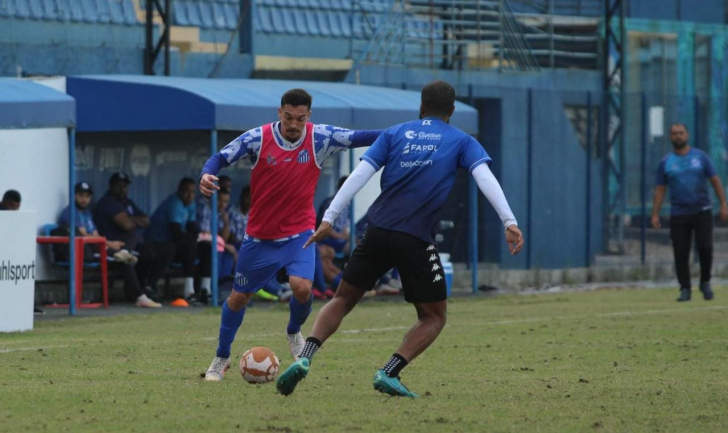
26, 349
613, 314
346, 331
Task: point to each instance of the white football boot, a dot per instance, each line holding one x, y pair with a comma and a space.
217, 369
295, 343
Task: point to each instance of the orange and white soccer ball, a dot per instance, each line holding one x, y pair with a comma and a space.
259, 365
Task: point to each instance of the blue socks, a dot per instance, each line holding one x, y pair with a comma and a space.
229, 324
299, 314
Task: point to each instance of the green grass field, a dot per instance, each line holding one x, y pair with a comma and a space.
610, 361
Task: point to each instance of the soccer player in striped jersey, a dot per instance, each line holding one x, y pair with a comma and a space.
287, 157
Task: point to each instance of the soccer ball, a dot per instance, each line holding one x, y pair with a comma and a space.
259, 365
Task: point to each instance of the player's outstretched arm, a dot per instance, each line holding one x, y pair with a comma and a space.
492, 190
355, 182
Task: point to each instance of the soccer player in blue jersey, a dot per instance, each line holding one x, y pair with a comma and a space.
420, 160
287, 157
685, 170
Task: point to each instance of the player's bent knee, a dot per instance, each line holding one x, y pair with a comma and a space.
301, 288
237, 301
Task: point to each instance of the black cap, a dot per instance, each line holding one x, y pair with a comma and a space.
84, 187
119, 176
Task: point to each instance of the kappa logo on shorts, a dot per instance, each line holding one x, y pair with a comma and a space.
438, 277
435, 267
433, 257
241, 279
431, 248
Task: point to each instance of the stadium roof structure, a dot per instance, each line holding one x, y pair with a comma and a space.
26, 104
151, 103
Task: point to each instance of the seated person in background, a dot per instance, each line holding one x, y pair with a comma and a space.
11, 200
224, 182
118, 218
229, 255
238, 217
175, 223
85, 227
328, 248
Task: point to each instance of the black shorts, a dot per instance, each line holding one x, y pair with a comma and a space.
418, 262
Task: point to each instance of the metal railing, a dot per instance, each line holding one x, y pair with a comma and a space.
441, 34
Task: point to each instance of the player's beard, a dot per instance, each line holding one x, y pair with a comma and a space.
679, 145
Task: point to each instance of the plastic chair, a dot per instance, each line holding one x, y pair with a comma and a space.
102, 265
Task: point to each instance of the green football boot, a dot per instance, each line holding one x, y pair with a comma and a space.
391, 385
295, 373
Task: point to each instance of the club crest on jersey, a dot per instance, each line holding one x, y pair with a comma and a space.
303, 156
271, 159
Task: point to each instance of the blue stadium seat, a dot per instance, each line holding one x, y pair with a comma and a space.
88, 9
289, 21
314, 29
291, 3
179, 17
205, 14
75, 9
130, 18
22, 9
265, 22
7, 8
50, 12
334, 25
218, 15
280, 3
193, 13
104, 14
36, 9
300, 18
266, 3
231, 15
345, 23
324, 4
347, 5
117, 14
323, 23
314, 4
336, 5
357, 24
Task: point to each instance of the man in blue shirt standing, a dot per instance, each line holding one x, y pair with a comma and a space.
685, 171
420, 161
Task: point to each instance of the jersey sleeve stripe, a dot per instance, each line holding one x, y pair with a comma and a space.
478, 162
371, 162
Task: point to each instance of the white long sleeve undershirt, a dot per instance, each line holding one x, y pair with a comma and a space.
491, 189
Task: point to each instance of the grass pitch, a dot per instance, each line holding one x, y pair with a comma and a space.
608, 361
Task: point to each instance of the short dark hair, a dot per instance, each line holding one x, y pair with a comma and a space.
342, 179
680, 124
438, 98
224, 177
11, 195
296, 97
185, 181
224, 191
243, 192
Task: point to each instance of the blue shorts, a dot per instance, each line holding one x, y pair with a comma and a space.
260, 260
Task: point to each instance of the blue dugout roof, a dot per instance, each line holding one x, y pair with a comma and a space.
150, 103
25, 104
